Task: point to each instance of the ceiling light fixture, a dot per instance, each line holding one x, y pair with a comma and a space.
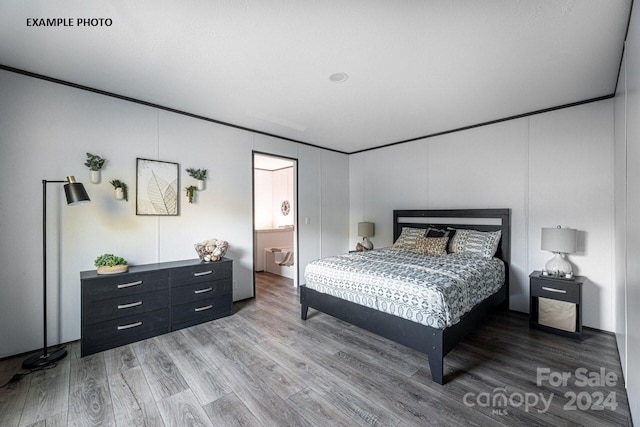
338, 77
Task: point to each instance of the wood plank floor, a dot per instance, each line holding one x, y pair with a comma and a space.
265, 366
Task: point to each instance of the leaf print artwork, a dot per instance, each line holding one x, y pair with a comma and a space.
157, 188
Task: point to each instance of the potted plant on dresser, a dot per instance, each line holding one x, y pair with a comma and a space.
110, 264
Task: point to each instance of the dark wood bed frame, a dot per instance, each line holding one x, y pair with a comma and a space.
436, 343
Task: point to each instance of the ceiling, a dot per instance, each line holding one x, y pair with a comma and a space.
270, 163
415, 68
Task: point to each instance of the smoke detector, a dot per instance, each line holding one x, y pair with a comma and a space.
338, 77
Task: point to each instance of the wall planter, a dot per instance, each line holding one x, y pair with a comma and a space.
190, 192
200, 175
120, 189
94, 163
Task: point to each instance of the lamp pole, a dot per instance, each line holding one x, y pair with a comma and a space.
75, 194
45, 352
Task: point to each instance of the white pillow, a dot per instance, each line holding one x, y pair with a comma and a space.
407, 238
484, 244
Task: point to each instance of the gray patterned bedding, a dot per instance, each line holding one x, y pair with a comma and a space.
431, 290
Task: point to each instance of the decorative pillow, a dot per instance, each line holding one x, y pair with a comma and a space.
439, 232
436, 232
431, 245
407, 238
484, 244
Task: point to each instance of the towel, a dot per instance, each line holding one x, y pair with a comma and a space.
284, 259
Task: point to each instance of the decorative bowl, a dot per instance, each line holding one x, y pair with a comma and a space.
211, 249
103, 269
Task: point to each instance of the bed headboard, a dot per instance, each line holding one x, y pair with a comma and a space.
474, 219
478, 219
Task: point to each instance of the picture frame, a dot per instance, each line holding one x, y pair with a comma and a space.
157, 188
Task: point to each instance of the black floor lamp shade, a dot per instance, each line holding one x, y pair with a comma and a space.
76, 194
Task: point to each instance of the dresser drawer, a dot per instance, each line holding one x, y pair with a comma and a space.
200, 291
201, 311
201, 273
123, 285
113, 333
129, 305
555, 289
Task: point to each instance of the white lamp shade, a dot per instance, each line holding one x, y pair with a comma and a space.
366, 229
561, 240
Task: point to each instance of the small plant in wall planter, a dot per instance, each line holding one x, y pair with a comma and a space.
94, 163
198, 174
190, 192
120, 189
110, 264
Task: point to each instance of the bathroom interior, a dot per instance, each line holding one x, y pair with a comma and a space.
274, 216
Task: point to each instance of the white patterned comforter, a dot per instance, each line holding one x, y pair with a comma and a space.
431, 290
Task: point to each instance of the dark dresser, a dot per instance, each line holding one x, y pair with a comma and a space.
152, 299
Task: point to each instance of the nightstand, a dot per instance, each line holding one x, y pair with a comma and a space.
556, 304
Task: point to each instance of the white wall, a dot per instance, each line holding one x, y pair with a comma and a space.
549, 169
271, 189
45, 131
282, 190
627, 206
263, 194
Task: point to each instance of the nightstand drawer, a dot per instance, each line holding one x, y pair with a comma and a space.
201, 273
555, 289
200, 291
123, 285
114, 308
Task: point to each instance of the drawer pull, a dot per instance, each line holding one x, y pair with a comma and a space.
206, 307
129, 326
559, 291
202, 291
133, 304
128, 285
204, 273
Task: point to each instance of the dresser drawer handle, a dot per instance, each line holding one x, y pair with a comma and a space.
202, 291
204, 273
129, 326
128, 285
559, 291
133, 304
206, 307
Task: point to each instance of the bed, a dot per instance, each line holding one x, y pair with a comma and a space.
392, 302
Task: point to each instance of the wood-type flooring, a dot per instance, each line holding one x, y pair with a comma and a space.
265, 366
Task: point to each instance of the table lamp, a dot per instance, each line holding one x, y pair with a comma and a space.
560, 241
366, 230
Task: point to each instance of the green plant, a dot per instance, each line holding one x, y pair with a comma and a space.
94, 162
199, 174
109, 260
119, 184
190, 191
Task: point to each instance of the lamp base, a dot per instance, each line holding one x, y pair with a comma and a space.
367, 243
42, 360
558, 263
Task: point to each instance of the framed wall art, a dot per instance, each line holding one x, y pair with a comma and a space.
157, 187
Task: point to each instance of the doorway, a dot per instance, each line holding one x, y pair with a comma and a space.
275, 213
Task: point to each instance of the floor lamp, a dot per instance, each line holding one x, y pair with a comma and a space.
76, 195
